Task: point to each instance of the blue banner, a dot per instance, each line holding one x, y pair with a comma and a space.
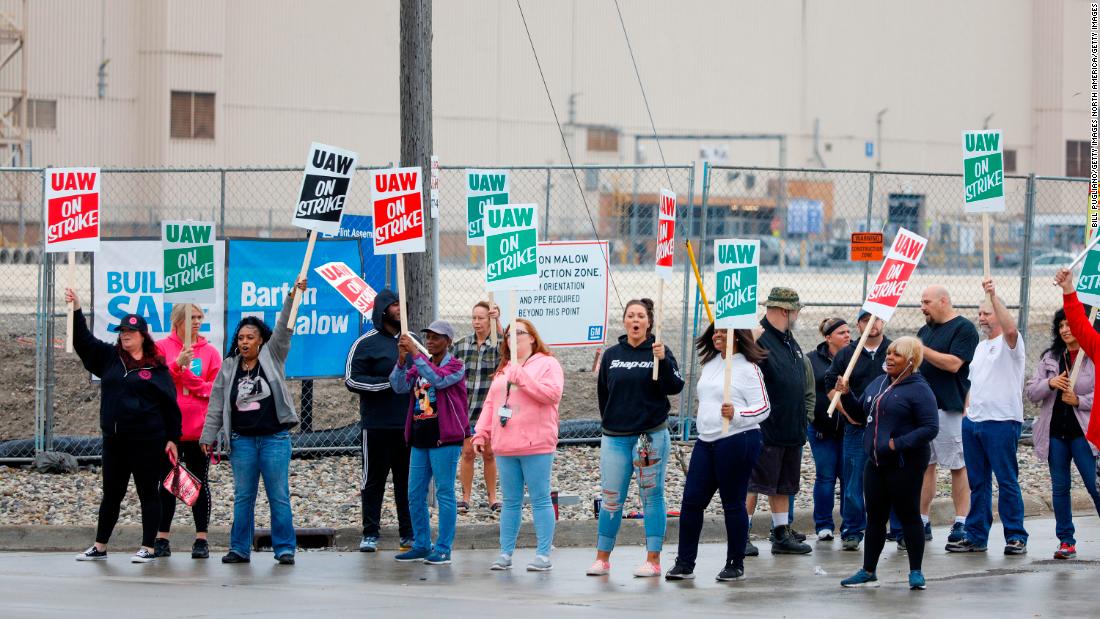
260, 273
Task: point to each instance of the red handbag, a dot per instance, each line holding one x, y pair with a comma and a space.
182, 483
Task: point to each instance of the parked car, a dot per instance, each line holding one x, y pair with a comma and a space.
1051, 261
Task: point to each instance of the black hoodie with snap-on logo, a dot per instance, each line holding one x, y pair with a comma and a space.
631, 402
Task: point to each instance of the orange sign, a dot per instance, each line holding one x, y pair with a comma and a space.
866, 246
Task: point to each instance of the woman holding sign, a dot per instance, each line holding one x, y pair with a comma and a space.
902, 420
520, 422
194, 369
725, 454
140, 421
634, 420
250, 415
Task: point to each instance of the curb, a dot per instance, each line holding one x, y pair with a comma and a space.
569, 533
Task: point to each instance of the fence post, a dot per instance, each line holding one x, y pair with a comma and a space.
685, 345
40, 344
1025, 263
51, 371
546, 213
221, 216
870, 204
702, 269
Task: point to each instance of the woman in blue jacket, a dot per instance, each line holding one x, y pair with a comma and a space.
902, 420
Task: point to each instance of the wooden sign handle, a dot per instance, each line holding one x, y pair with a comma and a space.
512, 326
492, 323
852, 363
304, 272
70, 282
727, 382
985, 251
657, 323
187, 338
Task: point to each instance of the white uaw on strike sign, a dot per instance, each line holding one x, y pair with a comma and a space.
72, 209
324, 188
895, 274
398, 211
350, 286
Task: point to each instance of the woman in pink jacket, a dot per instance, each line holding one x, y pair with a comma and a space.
193, 371
520, 422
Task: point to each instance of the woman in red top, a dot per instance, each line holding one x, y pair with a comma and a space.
1086, 336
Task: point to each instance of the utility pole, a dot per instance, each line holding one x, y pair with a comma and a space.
416, 149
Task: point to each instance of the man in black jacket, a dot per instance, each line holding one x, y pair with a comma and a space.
778, 469
382, 414
868, 367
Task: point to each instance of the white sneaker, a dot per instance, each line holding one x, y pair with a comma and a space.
599, 568
540, 564
143, 556
503, 562
824, 535
648, 569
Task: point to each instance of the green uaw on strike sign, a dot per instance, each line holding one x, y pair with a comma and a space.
188, 261
483, 188
983, 172
1088, 283
736, 267
511, 247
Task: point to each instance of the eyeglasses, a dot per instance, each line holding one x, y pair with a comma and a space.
522, 333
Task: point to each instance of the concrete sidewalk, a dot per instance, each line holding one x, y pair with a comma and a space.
352, 583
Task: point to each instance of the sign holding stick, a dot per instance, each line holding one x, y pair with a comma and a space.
666, 250
188, 266
512, 303
492, 323
727, 378
72, 222
699, 281
883, 297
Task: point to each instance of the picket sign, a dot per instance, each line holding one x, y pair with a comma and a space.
188, 265
397, 202
883, 297
72, 223
666, 250
350, 286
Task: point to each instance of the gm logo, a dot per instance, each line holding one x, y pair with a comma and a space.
595, 333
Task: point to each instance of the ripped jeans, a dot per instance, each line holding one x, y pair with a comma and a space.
618, 460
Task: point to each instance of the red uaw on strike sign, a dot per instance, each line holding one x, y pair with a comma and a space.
72, 209
398, 211
666, 233
893, 277
350, 286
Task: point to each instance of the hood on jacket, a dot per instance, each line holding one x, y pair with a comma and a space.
384, 299
646, 344
823, 350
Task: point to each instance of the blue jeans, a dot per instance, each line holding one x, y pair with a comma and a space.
828, 463
534, 472
989, 448
853, 511
1060, 454
618, 455
251, 457
425, 465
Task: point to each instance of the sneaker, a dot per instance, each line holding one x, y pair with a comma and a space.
287, 558
438, 558
647, 569
92, 554
958, 532
751, 550
232, 557
1016, 547
1065, 551
798, 536
161, 547
369, 543
824, 535
503, 562
599, 568
680, 572
540, 564
850, 543
901, 542
966, 546
406, 543
860, 579
916, 581
730, 572
414, 555
786, 544
200, 549
462, 507
143, 556
928, 531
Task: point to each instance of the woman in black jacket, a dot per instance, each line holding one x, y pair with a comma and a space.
902, 420
825, 433
140, 421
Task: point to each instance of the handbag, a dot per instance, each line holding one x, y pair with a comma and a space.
182, 483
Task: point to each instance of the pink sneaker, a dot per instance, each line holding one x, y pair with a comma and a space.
648, 569
599, 568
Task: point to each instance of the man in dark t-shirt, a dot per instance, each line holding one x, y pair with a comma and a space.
949, 343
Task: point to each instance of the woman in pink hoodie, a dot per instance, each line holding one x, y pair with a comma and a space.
193, 371
520, 422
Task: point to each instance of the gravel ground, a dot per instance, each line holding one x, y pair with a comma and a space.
325, 492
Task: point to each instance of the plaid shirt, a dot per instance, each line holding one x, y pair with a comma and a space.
481, 363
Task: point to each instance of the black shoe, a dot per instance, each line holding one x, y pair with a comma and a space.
730, 572
928, 531
798, 536
232, 557
680, 572
285, 559
786, 544
901, 543
200, 549
1016, 547
751, 550
161, 548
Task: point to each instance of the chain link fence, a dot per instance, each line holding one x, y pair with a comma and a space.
803, 219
